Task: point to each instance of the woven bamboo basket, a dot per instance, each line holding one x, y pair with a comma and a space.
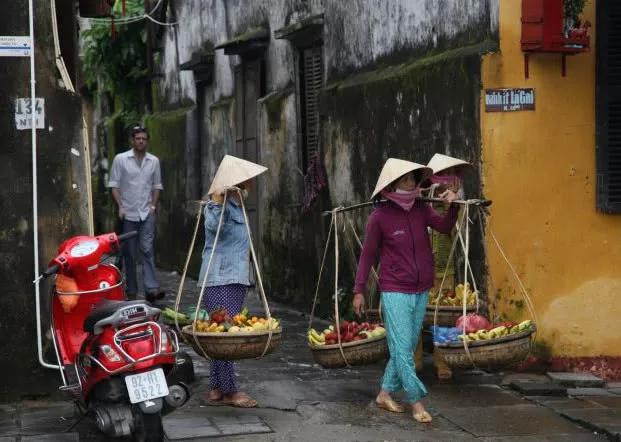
232, 346
492, 354
357, 353
447, 314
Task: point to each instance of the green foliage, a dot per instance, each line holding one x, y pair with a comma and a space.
116, 64
573, 8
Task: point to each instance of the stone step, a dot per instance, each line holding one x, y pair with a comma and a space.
529, 388
576, 380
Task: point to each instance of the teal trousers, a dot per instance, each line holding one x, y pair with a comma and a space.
403, 317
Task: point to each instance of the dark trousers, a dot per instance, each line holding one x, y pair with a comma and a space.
144, 242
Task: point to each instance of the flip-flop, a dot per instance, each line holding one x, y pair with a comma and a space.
423, 417
389, 405
212, 401
242, 401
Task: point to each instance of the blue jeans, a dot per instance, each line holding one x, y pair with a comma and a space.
403, 316
145, 241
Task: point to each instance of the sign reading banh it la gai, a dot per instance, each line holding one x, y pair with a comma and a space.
509, 100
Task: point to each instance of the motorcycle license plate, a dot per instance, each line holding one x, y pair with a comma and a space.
146, 386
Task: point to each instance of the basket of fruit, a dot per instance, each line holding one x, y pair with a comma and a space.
450, 305
361, 344
491, 346
240, 337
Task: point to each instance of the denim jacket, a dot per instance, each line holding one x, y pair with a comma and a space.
231, 261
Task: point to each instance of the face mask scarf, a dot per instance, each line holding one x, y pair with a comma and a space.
403, 198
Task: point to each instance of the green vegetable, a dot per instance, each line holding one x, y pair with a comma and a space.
171, 314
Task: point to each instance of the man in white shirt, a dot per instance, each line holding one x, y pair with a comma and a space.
136, 181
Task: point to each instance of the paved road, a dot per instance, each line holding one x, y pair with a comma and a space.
300, 401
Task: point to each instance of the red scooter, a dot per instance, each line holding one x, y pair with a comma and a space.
117, 362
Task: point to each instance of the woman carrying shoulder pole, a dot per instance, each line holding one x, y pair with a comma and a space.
229, 276
396, 231
448, 173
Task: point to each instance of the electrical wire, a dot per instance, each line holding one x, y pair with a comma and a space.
132, 19
147, 16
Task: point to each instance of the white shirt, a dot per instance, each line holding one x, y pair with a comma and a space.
135, 183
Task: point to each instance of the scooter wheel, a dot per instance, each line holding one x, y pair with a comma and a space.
148, 427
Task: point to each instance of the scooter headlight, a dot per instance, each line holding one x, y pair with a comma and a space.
110, 353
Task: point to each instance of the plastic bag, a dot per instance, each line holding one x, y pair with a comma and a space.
445, 335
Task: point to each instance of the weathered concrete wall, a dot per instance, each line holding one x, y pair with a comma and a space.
409, 104
170, 142
62, 198
359, 34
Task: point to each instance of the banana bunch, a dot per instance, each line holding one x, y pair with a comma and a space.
261, 324
315, 338
265, 324
523, 326
455, 298
204, 326
496, 332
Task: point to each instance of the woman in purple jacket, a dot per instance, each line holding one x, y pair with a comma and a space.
397, 231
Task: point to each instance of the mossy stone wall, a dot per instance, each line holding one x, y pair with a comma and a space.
177, 213
409, 111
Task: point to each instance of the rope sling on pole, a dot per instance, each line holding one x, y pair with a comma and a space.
185, 268
358, 352
336, 288
253, 255
464, 241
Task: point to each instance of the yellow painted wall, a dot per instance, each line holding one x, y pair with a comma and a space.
539, 169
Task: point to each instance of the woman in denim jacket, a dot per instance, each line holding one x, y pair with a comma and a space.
228, 278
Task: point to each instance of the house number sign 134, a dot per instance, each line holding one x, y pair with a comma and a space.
509, 100
23, 113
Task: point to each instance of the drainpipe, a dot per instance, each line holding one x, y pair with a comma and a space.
35, 208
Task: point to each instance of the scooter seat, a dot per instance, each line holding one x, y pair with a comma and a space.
106, 309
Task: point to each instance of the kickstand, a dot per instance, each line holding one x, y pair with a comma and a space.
83, 414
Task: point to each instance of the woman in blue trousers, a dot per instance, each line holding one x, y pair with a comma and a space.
397, 231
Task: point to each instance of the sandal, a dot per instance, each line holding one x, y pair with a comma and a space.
214, 397
389, 405
423, 417
240, 400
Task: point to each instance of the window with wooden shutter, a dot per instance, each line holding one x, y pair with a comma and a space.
608, 106
249, 87
311, 79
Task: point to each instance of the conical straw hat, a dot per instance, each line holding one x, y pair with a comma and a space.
440, 162
233, 171
395, 168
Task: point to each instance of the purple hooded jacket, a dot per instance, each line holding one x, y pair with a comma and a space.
402, 242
